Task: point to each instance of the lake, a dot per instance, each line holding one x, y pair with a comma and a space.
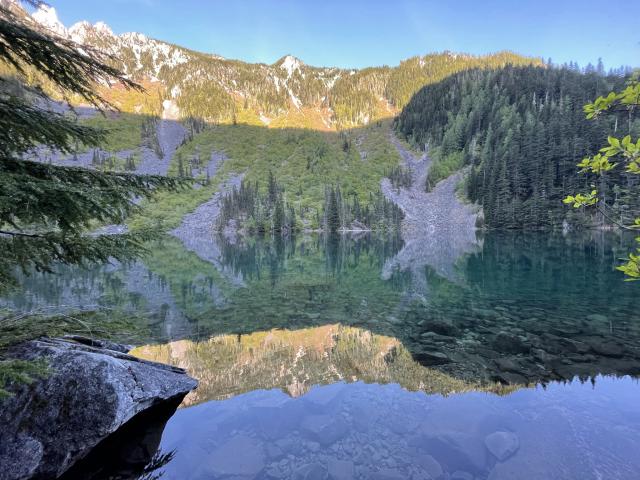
511, 356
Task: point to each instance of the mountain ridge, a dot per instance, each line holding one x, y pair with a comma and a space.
287, 93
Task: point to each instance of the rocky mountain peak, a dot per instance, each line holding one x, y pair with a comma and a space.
48, 18
290, 64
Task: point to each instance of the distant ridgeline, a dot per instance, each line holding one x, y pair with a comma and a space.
292, 94
287, 93
522, 130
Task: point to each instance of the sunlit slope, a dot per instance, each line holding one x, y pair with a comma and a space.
296, 360
303, 162
286, 93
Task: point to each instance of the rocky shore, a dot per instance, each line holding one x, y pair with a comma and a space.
92, 390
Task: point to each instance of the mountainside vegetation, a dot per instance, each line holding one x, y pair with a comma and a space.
287, 93
45, 209
515, 120
522, 130
226, 90
304, 162
616, 155
257, 212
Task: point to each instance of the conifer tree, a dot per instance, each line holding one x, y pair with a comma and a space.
272, 188
531, 118
333, 212
278, 216
617, 154
45, 209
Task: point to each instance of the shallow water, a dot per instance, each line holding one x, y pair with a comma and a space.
358, 430
514, 356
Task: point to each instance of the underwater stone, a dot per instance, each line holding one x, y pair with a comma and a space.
509, 343
502, 444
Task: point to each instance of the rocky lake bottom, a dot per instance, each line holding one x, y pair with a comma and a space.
514, 356
368, 431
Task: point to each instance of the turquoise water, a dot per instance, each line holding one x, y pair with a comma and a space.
514, 356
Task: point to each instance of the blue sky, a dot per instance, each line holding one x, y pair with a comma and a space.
358, 33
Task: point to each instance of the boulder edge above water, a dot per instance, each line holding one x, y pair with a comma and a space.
91, 390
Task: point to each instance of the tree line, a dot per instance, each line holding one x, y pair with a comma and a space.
522, 130
257, 211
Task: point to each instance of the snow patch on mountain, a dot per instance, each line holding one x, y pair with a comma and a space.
103, 28
291, 64
78, 32
101, 36
296, 101
48, 18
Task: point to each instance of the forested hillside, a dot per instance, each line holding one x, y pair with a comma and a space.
522, 130
517, 122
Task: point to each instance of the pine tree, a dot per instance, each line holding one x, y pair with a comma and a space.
278, 216
333, 212
44, 209
531, 118
272, 188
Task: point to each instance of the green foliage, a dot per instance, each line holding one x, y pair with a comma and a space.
208, 101
400, 177
24, 44
19, 371
582, 200
632, 268
443, 167
18, 328
333, 211
625, 150
625, 100
41, 251
258, 212
303, 161
166, 209
40, 196
415, 73
230, 91
121, 131
109, 324
44, 208
520, 129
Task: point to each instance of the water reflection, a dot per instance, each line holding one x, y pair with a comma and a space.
515, 308
316, 355
343, 431
296, 360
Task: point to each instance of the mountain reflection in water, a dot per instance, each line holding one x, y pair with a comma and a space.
296, 360
369, 358
514, 308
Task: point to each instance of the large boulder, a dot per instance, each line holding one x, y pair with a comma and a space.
92, 389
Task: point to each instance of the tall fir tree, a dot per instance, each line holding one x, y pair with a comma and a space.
45, 209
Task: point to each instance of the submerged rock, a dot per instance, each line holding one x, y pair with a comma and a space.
509, 343
326, 429
91, 390
241, 455
431, 357
502, 444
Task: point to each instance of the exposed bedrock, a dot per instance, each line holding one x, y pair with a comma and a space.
92, 389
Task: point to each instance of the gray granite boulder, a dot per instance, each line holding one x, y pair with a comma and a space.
92, 389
